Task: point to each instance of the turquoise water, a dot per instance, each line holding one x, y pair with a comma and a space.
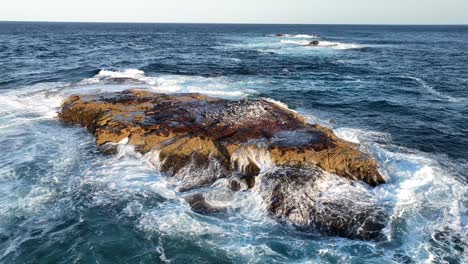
400, 91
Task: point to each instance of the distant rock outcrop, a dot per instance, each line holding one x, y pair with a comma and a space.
314, 43
199, 139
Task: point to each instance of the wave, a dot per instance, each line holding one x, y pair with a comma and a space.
36, 102
109, 75
324, 44
431, 90
305, 36
214, 86
298, 36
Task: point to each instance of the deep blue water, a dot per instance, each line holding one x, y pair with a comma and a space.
400, 91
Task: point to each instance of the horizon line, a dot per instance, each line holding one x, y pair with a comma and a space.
227, 23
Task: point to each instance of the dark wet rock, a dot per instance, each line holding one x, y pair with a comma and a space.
241, 182
300, 196
199, 172
314, 43
235, 185
279, 35
199, 204
199, 139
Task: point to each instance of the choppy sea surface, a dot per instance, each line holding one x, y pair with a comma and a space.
400, 91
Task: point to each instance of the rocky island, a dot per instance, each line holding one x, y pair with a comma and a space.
254, 143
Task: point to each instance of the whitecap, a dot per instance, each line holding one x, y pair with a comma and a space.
358, 135
431, 90
129, 78
305, 36
297, 36
107, 75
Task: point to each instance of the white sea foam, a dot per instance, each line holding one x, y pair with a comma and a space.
348, 135
177, 222
358, 135
280, 104
127, 173
296, 42
131, 78
298, 36
417, 185
129, 73
323, 44
39, 101
256, 152
305, 36
340, 45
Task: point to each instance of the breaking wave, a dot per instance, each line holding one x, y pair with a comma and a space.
303, 36
134, 78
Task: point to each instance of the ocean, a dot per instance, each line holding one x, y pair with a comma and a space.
399, 91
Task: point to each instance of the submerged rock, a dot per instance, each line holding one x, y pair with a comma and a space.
199, 204
314, 43
200, 139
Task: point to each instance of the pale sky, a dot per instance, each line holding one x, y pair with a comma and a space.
240, 11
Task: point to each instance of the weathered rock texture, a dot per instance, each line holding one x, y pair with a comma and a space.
185, 125
199, 139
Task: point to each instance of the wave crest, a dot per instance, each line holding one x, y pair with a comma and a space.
213, 86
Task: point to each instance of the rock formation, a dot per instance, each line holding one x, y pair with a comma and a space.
199, 139
314, 43
304, 198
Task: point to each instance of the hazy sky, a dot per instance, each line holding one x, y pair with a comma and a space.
240, 11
